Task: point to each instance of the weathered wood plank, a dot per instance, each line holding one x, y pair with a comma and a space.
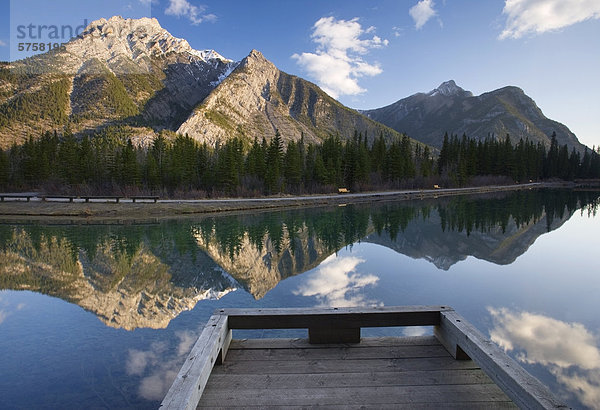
365, 342
348, 365
187, 388
339, 353
300, 318
525, 390
356, 395
370, 378
399, 406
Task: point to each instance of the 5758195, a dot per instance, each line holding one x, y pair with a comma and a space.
41, 46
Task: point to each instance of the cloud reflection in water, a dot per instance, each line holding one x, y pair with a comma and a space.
5, 309
336, 283
159, 365
568, 350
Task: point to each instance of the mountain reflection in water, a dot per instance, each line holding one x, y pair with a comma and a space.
133, 276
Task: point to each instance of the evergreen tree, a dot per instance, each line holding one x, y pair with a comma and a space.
4, 170
88, 160
128, 169
230, 164
158, 151
152, 176
378, 155
274, 164
293, 166
551, 163
68, 159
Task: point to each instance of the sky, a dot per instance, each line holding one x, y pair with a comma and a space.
371, 53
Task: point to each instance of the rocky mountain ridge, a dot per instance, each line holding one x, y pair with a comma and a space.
257, 99
117, 40
135, 73
449, 108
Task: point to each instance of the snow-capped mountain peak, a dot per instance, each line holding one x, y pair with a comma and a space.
134, 38
448, 88
207, 55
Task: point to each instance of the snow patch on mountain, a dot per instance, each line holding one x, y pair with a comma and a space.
448, 89
208, 55
230, 67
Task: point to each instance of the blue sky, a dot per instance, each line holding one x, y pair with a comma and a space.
371, 53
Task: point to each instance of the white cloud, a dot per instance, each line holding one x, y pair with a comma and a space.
568, 350
398, 31
422, 12
2, 43
539, 16
337, 63
3, 316
336, 283
183, 8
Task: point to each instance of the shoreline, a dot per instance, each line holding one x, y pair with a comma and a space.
15, 210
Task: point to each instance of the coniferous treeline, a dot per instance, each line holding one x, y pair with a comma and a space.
461, 159
177, 165
109, 162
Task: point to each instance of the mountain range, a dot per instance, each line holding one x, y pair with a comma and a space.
132, 72
449, 108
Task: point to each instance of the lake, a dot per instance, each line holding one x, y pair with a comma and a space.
102, 315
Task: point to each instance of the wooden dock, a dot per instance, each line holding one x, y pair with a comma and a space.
336, 368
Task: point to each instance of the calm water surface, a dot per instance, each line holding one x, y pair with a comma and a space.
102, 316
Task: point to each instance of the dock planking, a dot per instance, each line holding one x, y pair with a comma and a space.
389, 372
276, 375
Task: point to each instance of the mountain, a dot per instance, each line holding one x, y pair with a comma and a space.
257, 99
133, 72
449, 108
117, 71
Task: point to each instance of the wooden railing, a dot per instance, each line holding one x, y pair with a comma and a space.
342, 325
17, 196
85, 198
